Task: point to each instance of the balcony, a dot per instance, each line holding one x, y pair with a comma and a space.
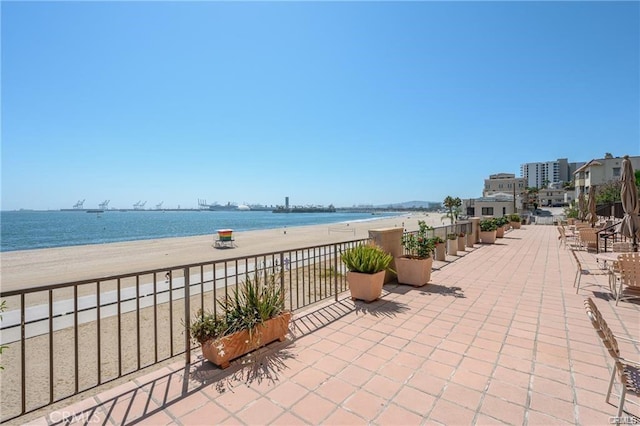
498, 336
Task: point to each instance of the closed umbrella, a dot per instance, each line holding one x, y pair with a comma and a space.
581, 206
592, 218
630, 225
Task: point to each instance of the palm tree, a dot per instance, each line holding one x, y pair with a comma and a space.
532, 196
453, 205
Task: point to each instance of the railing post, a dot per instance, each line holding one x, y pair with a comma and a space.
282, 277
187, 314
335, 275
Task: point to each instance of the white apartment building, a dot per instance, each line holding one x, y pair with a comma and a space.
541, 175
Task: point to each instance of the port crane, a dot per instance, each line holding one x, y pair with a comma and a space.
139, 205
104, 205
159, 206
79, 205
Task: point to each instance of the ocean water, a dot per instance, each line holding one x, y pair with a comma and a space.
25, 230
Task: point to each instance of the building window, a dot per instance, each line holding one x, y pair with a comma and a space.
616, 172
487, 211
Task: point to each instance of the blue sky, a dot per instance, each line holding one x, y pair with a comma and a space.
325, 102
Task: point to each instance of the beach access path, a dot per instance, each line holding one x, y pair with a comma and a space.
36, 268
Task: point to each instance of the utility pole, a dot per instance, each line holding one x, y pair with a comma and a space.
514, 196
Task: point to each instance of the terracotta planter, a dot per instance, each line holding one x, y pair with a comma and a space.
222, 351
488, 237
500, 232
416, 272
461, 244
515, 225
441, 252
452, 247
367, 287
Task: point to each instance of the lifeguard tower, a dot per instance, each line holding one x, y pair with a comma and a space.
225, 239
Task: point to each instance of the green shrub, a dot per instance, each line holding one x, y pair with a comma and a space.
514, 217
418, 245
436, 240
501, 221
488, 225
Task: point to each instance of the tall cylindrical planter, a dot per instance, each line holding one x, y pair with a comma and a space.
500, 232
461, 243
470, 240
441, 252
452, 247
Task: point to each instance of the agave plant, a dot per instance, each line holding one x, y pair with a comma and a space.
252, 303
366, 259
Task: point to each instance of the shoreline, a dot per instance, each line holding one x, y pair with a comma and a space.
40, 267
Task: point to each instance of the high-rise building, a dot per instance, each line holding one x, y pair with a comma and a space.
541, 175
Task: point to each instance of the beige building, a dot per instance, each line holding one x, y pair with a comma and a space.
555, 197
496, 205
504, 183
599, 171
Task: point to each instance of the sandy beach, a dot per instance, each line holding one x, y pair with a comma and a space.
35, 268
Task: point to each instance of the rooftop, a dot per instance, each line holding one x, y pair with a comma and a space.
499, 336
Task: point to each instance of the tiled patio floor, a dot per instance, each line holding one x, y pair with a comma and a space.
498, 337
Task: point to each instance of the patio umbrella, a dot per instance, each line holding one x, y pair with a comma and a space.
630, 225
592, 218
581, 206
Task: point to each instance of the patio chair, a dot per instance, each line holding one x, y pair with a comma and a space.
566, 238
629, 269
588, 238
619, 247
584, 270
628, 372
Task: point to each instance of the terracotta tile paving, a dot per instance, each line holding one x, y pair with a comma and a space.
499, 336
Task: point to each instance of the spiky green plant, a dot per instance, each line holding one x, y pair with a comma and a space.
367, 259
252, 303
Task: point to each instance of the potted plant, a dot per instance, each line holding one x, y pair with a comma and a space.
488, 229
501, 222
414, 268
452, 244
439, 248
515, 220
252, 317
461, 242
367, 264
